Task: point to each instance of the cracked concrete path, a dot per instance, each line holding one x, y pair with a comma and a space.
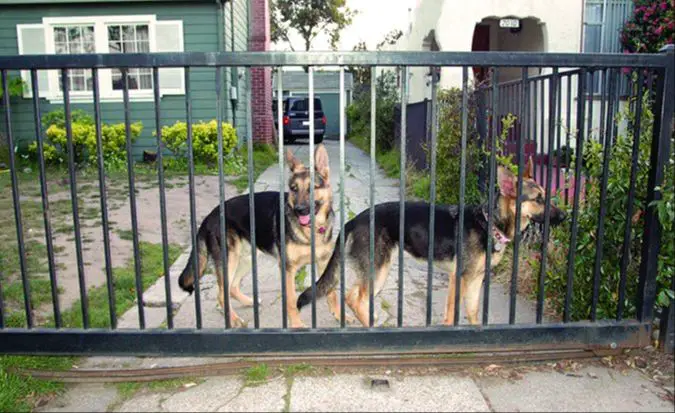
357, 199
592, 390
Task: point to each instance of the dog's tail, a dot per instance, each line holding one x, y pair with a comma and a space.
326, 282
187, 277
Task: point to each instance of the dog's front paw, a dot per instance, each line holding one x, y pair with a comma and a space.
238, 322
298, 324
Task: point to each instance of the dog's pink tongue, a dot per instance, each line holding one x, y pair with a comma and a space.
304, 219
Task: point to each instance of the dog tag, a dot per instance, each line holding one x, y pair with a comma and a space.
498, 246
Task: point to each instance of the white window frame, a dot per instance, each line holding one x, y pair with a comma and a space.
101, 23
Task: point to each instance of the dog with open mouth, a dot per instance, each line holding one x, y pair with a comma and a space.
268, 235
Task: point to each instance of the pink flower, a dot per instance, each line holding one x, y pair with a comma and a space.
658, 30
664, 6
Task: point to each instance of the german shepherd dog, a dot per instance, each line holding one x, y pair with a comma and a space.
297, 234
474, 246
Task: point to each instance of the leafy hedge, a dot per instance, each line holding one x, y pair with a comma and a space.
113, 138
614, 225
204, 140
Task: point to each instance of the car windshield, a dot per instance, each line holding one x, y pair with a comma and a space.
303, 105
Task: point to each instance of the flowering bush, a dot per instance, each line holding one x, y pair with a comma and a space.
650, 28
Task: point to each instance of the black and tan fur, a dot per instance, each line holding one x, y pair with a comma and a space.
297, 234
475, 242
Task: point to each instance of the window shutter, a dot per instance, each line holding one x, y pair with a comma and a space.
31, 39
169, 38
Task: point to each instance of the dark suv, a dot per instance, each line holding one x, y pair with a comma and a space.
296, 118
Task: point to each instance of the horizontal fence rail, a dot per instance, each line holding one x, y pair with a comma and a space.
540, 192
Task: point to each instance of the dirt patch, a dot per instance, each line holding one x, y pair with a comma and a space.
119, 216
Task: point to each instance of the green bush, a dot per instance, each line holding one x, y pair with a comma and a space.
448, 162
113, 138
204, 140
358, 113
614, 225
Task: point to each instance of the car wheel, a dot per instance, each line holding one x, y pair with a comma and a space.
318, 138
289, 139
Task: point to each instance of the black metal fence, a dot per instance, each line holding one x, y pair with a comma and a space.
655, 71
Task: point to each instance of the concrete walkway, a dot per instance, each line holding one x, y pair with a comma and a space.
357, 197
588, 389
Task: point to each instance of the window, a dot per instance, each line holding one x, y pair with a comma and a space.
103, 34
72, 40
303, 105
130, 39
603, 20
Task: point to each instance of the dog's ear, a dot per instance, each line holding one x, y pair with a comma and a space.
528, 173
507, 182
321, 162
293, 163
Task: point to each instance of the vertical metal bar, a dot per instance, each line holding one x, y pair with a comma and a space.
625, 250
132, 200
84, 303
110, 282
17, 209
251, 209
535, 129
221, 199
603, 104
162, 198
577, 184
45, 204
590, 97
342, 196
543, 130
402, 187
567, 136
553, 90
282, 192
459, 261
432, 200
517, 235
491, 198
371, 279
310, 75
662, 132
558, 124
193, 207
600, 234
615, 109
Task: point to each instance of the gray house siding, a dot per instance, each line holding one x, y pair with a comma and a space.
200, 33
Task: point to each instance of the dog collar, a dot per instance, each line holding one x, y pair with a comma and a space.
498, 236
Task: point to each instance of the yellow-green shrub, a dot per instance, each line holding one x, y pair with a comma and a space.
113, 138
204, 140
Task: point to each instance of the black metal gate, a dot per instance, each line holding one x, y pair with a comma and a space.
654, 72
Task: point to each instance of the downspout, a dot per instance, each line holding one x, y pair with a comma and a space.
234, 78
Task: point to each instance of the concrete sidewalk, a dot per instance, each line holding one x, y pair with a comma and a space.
589, 389
495, 388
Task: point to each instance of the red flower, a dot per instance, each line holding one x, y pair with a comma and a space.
664, 6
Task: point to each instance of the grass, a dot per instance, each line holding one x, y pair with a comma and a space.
128, 389
256, 375
125, 234
300, 278
263, 157
289, 373
152, 265
19, 393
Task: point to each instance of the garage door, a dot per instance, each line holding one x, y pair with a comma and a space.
331, 105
